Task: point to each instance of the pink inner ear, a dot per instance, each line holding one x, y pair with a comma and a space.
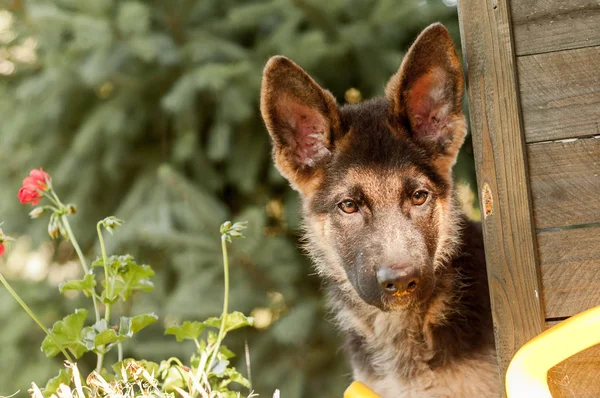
429, 105
310, 133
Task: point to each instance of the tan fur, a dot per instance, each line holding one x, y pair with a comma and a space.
286, 88
428, 84
481, 371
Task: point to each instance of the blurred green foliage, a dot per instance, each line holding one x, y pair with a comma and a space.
148, 110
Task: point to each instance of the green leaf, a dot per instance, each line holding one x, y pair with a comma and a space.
235, 320
100, 335
107, 375
108, 337
172, 376
195, 359
85, 285
133, 277
226, 353
211, 337
68, 333
187, 331
106, 299
128, 277
99, 262
129, 326
237, 377
64, 377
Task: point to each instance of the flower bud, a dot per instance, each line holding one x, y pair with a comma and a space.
37, 212
53, 228
71, 208
3, 240
63, 232
225, 227
111, 223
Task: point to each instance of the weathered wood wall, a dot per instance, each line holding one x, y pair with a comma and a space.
533, 69
501, 163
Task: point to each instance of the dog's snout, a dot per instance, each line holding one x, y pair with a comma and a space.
398, 279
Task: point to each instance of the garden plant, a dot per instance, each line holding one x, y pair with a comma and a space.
207, 373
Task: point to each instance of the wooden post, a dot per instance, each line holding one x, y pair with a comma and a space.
501, 163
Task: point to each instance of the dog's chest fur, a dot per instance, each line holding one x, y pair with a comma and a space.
444, 349
472, 377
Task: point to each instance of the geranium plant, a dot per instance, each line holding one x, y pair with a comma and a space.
112, 279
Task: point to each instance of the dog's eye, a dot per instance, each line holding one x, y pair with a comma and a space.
348, 206
419, 197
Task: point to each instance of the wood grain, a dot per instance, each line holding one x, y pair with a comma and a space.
498, 143
560, 94
570, 266
577, 376
549, 25
565, 182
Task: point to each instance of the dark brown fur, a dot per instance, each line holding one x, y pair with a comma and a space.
436, 340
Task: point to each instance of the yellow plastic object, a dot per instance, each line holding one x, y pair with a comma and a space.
359, 390
527, 373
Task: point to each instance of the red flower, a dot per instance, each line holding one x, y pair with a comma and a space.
32, 185
2, 248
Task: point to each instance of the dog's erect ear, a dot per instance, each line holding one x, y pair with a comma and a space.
427, 93
302, 120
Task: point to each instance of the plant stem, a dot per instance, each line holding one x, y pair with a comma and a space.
61, 207
53, 198
32, 315
108, 309
73, 240
119, 352
67, 226
100, 361
105, 264
222, 333
107, 312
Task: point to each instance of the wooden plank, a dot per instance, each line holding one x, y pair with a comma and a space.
560, 94
565, 182
498, 143
551, 25
578, 376
570, 267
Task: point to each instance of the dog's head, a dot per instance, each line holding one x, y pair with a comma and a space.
376, 177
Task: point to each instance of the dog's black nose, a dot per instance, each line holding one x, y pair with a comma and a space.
398, 279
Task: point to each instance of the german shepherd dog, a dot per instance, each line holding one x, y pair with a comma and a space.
403, 267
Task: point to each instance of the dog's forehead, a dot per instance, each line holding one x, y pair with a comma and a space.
370, 140
382, 184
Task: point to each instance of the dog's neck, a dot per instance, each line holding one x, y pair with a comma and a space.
455, 321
